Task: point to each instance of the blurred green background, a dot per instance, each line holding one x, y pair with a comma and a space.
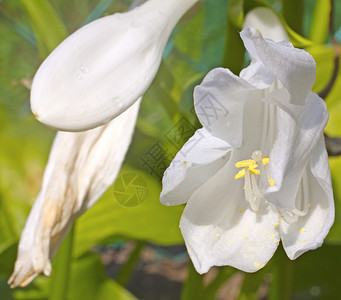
205, 38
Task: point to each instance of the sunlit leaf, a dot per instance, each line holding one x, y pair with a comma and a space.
150, 221
323, 56
98, 11
46, 24
320, 24
89, 281
334, 235
296, 39
235, 12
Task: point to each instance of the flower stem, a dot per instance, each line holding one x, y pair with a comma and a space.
224, 273
61, 269
193, 287
126, 270
282, 272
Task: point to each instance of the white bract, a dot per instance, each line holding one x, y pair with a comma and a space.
81, 167
257, 172
104, 67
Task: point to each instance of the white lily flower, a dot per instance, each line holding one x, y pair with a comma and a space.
104, 67
257, 172
81, 167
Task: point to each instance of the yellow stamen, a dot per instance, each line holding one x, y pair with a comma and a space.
246, 163
251, 168
271, 181
265, 160
240, 174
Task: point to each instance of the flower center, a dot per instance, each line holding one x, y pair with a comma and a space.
257, 165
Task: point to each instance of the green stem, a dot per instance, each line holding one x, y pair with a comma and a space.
61, 269
224, 273
193, 287
293, 14
127, 269
281, 282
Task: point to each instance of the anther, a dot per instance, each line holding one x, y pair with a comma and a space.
257, 165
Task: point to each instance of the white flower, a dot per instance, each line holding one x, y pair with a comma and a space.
104, 67
257, 172
267, 22
96, 74
80, 169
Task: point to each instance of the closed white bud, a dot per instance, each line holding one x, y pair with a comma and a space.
104, 67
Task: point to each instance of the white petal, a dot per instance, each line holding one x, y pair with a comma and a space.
81, 167
267, 22
220, 229
198, 160
219, 102
299, 128
258, 75
309, 231
104, 67
295, 68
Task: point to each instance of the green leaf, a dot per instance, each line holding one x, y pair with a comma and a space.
150, 221
296, 39
235, 12
89, 281
7, 257
320, 25
46, 24
110, 290
334, 235
324, 57
317, 274
5, 291
98, 11
293, 14
233, 56
61, 269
